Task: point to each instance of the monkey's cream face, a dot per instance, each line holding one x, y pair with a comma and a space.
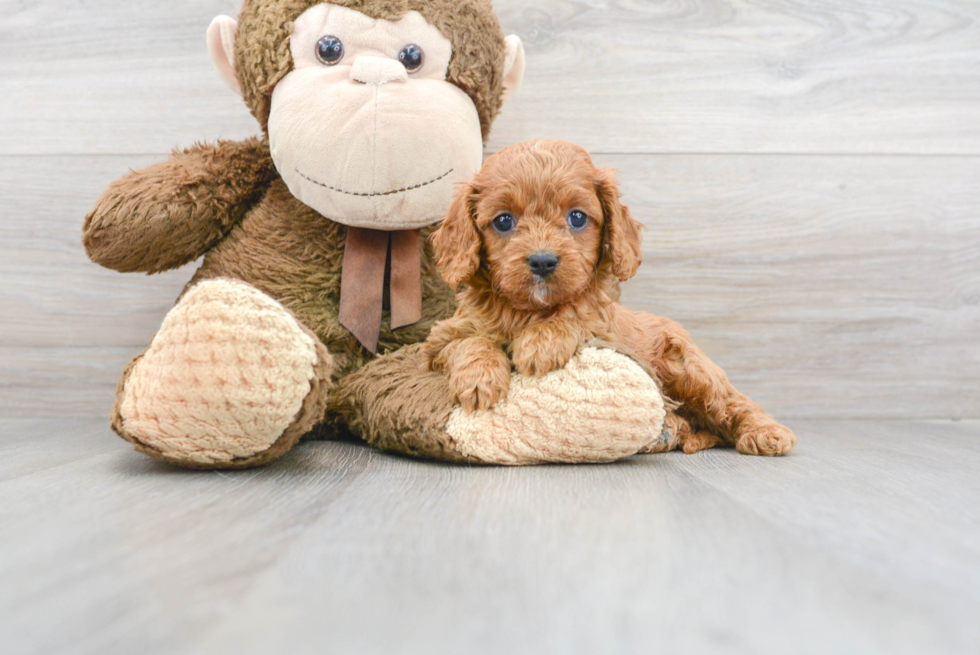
365, 129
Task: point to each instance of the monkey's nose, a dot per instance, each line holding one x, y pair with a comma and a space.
543, 263
377, 70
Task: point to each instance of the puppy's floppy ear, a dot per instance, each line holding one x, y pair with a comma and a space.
457, 242
622, 245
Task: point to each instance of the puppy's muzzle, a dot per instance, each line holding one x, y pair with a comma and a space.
543, 263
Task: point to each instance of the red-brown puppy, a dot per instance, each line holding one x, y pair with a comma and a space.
538, 238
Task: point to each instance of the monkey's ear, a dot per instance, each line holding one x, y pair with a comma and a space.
456, 242
622, 242
513, 65
221, 47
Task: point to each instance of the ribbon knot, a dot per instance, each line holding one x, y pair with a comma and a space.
376, 262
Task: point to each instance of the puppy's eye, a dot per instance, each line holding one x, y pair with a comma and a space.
329, 50
504, 223
577, 220
411, 57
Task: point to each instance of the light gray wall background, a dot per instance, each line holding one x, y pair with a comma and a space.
808, 170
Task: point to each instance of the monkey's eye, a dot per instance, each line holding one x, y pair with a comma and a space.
411, 57
577, 220
330, 50
504, 223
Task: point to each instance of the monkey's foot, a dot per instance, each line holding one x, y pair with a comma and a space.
600, 408
231, 380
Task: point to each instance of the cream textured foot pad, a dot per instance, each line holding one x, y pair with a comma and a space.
223, 379
601, 407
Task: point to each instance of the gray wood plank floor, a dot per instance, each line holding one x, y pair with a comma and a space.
865, 540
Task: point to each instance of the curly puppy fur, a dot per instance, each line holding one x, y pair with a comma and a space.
512, 313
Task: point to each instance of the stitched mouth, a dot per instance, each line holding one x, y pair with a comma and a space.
373, 195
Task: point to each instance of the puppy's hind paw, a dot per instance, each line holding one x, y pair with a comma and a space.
698, 441
768, 440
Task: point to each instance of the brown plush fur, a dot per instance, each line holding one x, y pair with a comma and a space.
290, 252
173, 212
227, 203
262, 56
509, 315
407, 414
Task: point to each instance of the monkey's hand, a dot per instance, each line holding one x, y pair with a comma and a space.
546, 347
173, 212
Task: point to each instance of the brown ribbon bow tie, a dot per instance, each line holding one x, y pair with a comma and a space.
374, 260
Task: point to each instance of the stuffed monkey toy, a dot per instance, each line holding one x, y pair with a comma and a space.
317, 283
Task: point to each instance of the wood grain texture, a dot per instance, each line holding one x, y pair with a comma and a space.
710, 76
61, 381
826, 286
749, 76
865, 540
50, 293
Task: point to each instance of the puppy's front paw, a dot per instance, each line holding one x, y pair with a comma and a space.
480, 387
769, 440
538, 353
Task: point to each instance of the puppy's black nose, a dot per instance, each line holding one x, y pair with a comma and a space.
543, 263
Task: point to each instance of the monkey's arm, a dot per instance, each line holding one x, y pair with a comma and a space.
171, 213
